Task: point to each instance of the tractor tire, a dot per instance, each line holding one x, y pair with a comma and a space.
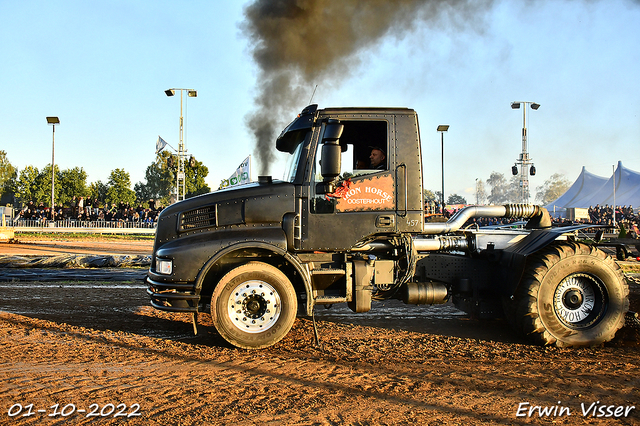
254, 306
571, 295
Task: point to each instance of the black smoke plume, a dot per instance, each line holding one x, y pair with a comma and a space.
300, 43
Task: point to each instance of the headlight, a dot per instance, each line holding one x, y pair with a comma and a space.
164, 266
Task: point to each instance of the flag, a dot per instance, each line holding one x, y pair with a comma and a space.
160, 144
241, 176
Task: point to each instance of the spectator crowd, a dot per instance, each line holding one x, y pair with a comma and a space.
604, 215
92, 210
625, 218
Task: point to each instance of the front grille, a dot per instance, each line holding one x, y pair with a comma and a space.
203, 217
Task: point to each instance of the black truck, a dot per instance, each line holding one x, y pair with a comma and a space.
336, 229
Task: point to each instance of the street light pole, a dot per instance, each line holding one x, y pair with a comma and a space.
53, 121
442, 128
524, 160
180, 176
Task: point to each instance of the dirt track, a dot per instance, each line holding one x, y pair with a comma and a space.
33, 247
81, 343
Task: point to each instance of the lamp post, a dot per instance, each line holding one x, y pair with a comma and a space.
442, 128
180, 176
53, 121
524, 160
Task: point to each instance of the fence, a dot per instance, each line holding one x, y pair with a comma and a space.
90, 226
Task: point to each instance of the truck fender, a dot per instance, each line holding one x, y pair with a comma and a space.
293, 260
514, 258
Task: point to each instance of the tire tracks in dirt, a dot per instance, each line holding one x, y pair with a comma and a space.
354, 378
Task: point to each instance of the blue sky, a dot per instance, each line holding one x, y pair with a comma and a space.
102, 67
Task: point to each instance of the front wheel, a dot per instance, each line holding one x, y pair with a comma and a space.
571, 294
254, 306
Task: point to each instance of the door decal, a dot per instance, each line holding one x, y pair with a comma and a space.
373, 193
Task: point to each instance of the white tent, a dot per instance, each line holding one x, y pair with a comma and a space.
626, 182
589, 190
584, 187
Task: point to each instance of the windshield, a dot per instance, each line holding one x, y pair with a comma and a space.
291, 169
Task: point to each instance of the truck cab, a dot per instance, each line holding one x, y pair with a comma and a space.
344, 206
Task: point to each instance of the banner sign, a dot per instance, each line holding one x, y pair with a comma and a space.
241, 176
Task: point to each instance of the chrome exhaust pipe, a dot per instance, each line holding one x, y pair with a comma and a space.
525, 211
430, 293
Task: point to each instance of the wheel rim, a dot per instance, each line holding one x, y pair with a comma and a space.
579, 300
254, 306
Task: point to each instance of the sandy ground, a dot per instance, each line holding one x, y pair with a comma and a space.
360, 375
95, 353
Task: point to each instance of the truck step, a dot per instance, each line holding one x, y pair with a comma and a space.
320, 300
328, 271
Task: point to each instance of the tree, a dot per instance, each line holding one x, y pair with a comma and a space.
34, 185
98, 190
195, 172
42, 193
481, 194
70, 183
456, 199
499, 189
26, 184
552, 188
142, 192
429, 195
7, 171
160, 178
119, 188
515, 193
8, 175
438, 195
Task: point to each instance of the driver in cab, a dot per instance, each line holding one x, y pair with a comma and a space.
377, 158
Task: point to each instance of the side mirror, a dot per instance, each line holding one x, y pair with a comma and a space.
330, 161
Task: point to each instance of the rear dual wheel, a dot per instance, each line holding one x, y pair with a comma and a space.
571, 294
254, 306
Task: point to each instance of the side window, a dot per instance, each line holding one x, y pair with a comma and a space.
346, 169
326, 203
364, 153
